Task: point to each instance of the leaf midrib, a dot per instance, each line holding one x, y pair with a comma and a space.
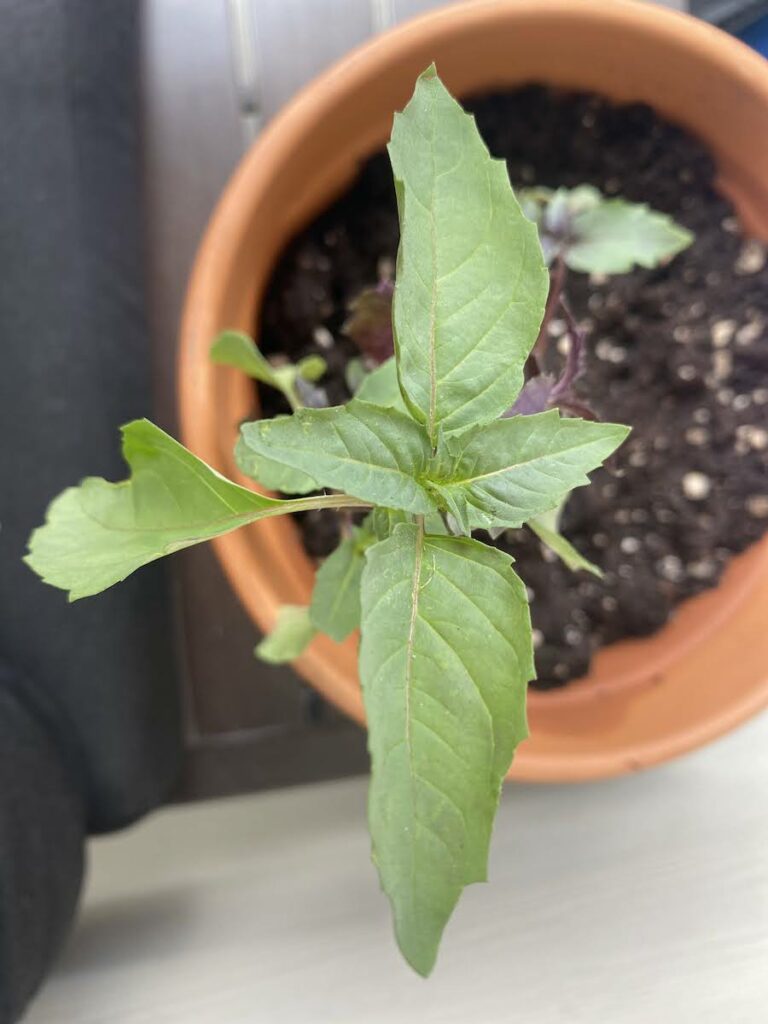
262, 512
433, 297
409, 658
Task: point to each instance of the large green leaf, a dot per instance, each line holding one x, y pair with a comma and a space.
376, 454
613, 236
471, 281
517, 468
98, 533
444, 662
335, 607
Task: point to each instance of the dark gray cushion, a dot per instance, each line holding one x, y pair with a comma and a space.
41, 849
75, 365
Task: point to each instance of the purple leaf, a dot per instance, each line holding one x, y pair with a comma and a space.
370, 322
535, 396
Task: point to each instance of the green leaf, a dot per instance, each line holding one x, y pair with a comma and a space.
471, 282
445, 658
547, 530
518, 468
292, 634
98, 533
381, 387
272, 474
599, 235
382, 521
311, 368
376, 454
236, 349
610, 238
355, 373
335, 607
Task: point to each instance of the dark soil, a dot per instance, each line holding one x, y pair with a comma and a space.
680, 353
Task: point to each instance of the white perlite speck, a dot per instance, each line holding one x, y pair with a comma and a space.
696, 486
556, 328
757, 506
629, 545
572, 636
323, 337
755, 437
722, 332
604, 349
722, 364
671, 568
751, 259
697, 436
749, 332
702, 569
638, 458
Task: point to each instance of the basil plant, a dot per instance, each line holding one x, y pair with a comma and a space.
428, 446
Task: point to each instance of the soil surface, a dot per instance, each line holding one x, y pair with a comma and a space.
680, 353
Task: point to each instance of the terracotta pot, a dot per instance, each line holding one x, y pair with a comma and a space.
644, 701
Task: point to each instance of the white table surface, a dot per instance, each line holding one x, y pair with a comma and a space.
641, 900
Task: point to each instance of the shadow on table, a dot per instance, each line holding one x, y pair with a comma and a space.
129, 929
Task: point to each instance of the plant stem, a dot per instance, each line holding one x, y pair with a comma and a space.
291, 396
336, 501
574, 360
345, 522
575, 367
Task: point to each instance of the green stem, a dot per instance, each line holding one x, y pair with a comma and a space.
291, 396
330, 501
